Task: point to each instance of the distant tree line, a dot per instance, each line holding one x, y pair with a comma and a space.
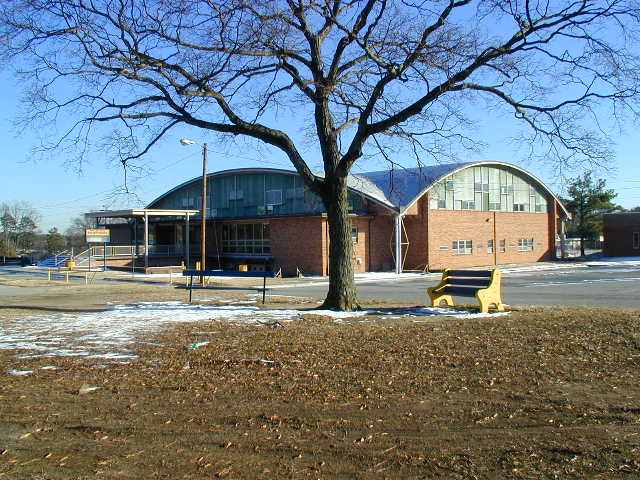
588, 199
20, 233
19, 225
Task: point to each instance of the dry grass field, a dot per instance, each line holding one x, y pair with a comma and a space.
539, 394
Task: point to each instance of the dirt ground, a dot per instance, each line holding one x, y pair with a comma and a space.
542, 393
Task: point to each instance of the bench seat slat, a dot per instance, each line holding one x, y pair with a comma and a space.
470, 273
459, 291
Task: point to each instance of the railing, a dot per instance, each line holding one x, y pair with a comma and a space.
118, 251
82, 257
55, 261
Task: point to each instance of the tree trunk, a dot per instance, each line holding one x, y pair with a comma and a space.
342, 290
582, 246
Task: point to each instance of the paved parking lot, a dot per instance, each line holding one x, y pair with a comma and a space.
609, 285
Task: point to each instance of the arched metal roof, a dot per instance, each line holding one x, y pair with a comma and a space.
358, 184
397, 189
404, 187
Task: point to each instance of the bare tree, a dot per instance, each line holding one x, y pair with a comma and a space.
19, 225
75, 233
362, 75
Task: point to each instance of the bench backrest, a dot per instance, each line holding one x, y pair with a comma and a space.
473, 278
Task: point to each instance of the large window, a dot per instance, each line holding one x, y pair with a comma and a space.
246, 238
462, 247
251, 195
489, 188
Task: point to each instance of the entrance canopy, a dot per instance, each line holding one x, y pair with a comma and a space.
144, 214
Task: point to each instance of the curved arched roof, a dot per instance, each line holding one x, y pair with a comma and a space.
396, 189
403, 187
359, 184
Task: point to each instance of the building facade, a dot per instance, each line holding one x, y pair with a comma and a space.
453, 215
621, 233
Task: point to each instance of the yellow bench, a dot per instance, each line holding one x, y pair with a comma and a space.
484, 285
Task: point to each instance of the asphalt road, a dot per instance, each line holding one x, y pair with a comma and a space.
610, 286
617, 286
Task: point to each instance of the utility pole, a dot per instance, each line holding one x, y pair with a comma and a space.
203, 212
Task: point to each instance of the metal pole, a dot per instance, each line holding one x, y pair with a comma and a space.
146, 241
187, 242
134, 249
398, 235
104, 257
203, 213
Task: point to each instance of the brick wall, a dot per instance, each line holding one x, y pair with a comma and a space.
361, 246
445, 226
299, 242
618, 234
380, 243
416, 225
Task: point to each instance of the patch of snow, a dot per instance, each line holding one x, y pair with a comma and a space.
112, 334
49, 367
20, 373
84, 389
542, 267
334, 314
585, 281
614, 261
434, 311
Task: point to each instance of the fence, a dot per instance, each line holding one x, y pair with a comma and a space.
133, 250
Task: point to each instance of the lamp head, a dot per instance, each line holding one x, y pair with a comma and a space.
186, 141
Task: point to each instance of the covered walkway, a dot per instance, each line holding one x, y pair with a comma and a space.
103, 218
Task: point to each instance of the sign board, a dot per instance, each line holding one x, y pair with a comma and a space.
98, 235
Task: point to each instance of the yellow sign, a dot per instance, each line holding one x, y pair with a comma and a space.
98, 235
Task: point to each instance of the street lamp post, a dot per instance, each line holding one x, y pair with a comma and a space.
203, 210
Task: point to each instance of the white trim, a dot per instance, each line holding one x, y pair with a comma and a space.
140, 212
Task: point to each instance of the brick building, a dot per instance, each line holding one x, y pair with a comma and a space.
463, 214
621, 234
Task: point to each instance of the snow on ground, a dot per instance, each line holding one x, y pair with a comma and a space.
614, 261
20, 373
541, 267
112, 334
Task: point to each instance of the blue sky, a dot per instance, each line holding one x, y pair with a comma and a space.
60, 192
